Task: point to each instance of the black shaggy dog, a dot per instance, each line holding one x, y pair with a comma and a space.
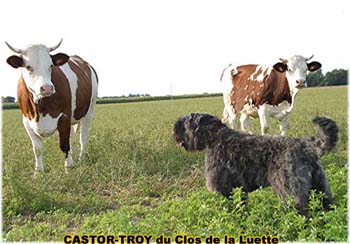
234, 159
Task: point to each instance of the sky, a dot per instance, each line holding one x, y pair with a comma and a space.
163, 47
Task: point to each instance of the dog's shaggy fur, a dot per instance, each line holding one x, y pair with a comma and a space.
234, 159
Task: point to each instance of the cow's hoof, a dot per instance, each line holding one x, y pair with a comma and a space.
68, 162
83, 157
38, 174
69, 169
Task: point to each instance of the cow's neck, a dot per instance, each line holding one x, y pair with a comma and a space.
293, 90
279, 90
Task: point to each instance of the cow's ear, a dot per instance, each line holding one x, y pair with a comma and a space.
280, 67
313, 66
15, 61
59, 59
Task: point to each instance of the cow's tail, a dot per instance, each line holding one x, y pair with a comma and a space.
223, 72
327, 136
230, 71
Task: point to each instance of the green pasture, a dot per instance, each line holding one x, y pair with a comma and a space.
137, 181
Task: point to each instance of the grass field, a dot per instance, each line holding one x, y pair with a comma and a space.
137, 181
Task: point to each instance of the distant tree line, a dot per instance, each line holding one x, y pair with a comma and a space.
336, 77
8, 99
12, 99
130, 95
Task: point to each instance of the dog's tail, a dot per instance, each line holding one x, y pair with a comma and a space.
327, 136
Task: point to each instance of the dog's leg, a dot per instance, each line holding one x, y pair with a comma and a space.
301, 192
292, 178
217, 176
320, 183
217, 180
302, 202
245, 123
299, 183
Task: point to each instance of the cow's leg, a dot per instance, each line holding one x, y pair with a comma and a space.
225, 117
230, 116
86, 121
233, 122
37, 146
264, 118
64, 129
84, 129
245, 123
229, 113
69, 160
73, 133
284, 125
84, 134
227, 101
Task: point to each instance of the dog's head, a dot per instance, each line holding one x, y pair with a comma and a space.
193, 131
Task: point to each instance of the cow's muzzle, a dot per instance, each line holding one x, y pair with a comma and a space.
301, 83
47, 90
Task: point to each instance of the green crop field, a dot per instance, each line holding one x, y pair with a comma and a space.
137, 181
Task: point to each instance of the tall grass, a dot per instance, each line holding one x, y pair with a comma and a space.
137, 181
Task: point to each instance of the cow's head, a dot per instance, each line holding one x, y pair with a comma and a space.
296, 68
36, 64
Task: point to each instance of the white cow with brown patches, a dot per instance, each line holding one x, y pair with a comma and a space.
55, 92
264, 91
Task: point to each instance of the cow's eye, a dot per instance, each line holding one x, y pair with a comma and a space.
51, 66
29, 68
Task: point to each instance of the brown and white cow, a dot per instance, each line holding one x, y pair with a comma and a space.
264, 91
55, 92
